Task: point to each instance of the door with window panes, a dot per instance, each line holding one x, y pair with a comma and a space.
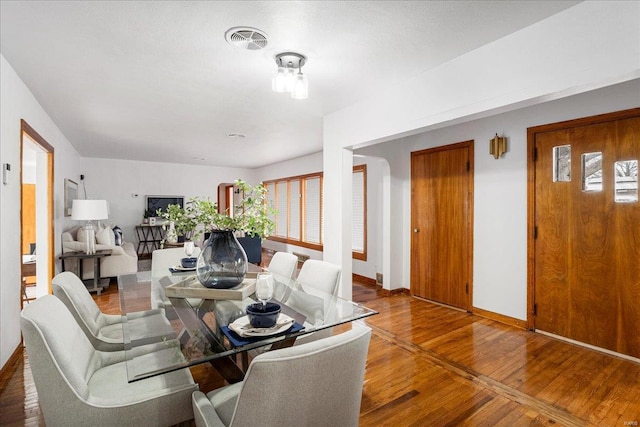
586, 268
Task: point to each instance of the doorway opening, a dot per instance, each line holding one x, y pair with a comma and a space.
36, 216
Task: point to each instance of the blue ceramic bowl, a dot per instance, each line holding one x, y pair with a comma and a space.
263, 316
189, 262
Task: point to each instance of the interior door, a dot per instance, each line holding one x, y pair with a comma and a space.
587, 232
441, 222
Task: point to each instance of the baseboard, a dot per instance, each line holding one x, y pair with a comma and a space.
364, 280
371, 283
511, 321
9, 368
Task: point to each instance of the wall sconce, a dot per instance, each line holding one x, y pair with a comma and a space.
498, 146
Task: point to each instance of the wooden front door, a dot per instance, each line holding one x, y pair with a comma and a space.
587, 230
441, 222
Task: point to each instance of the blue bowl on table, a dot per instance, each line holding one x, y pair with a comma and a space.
263, 316
189, 262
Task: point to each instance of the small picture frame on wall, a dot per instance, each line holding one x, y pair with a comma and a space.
70, 193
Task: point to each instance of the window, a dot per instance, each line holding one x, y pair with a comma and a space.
298, 202
562, 163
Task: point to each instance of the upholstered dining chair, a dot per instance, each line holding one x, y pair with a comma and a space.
316, 384
105, 330
320, 275
283, 264
78, 385
161, 261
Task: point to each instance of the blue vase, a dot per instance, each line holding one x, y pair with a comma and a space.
222, 263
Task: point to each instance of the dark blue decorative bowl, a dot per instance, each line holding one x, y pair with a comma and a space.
189, 262
263, 316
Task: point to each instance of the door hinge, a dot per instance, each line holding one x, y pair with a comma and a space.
535, 309
468, 166
535, 231
466, 288
535, 154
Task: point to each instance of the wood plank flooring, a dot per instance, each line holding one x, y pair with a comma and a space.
429, 365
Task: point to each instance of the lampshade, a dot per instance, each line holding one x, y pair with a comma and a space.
278, 80
89, 210
300, 87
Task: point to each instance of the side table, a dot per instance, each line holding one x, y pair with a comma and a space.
98, 283
149, 238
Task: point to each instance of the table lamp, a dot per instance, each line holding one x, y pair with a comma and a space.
89, 210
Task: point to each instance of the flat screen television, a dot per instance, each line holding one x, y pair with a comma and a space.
161, 202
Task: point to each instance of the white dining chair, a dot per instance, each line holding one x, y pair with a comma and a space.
78, 385
316, 384
283, 264
104, 331
320, 275
161, 261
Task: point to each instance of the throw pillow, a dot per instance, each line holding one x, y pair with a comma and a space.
106, 236
117, 233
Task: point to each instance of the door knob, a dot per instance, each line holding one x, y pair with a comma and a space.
416, 230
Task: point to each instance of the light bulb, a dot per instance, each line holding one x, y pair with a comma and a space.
278, 82
290, 78
300, 87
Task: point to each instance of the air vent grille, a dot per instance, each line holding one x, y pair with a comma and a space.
246, 38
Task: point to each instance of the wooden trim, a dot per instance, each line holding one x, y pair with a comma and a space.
364, 280
25, 128
507, 320
398, 291
531, 197
531, 194
362, 256
296, 243
7, 371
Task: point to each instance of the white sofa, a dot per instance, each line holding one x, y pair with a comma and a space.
123, 259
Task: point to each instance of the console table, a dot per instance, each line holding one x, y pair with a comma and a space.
98, 283
149, 238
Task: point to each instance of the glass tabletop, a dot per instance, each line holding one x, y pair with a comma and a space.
199, 327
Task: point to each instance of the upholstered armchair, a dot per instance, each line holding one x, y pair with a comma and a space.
104, 331
316, 384
78, 385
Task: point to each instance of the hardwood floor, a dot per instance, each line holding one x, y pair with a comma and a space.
429, 365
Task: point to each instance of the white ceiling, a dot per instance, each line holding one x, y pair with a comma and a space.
156, 80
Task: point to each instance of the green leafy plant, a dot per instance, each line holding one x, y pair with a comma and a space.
251, 215
184, 219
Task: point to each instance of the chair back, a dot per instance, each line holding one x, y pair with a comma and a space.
163, 259
74, 294
319, 383
283, 264
61, 356
320, 275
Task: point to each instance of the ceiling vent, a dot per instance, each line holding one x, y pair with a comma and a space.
246, 38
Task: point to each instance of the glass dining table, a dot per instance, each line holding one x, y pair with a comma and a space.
203, 329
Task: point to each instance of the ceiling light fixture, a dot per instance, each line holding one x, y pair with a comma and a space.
286, 79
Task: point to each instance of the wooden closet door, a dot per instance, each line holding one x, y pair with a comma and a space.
587, 239
441, 195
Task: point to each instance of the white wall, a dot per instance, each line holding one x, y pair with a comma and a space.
591, 45
17, 102
500, 191
117, 180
